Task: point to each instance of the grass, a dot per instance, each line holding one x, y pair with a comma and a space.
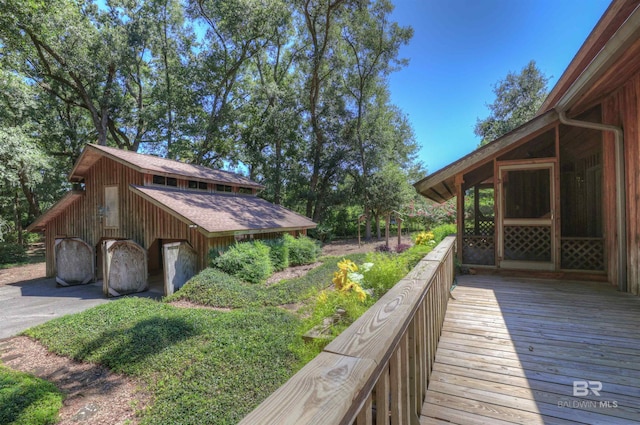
202, 366
27, 400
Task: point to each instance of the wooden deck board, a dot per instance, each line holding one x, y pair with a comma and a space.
511, 349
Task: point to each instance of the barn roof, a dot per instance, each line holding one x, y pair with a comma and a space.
218, 214
155, 165
55, 210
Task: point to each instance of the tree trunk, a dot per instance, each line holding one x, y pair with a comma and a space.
386, 229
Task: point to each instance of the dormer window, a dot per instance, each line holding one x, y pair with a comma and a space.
223, 188
197, 185
245, 190
165, 181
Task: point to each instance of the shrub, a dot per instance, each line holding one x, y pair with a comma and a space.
302, 250
278, 253
383, 248
402, 247
386, 271
442, 231
414, 254
248, 261
12, 253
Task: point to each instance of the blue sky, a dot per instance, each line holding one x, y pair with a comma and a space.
461, 48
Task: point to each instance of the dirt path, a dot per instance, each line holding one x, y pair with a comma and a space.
94, 395
22, 273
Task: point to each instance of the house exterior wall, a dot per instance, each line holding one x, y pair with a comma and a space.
622, 108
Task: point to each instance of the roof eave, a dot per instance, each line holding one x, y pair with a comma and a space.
56, 209
480, 156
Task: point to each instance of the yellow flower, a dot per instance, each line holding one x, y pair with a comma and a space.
322, 297
347, 265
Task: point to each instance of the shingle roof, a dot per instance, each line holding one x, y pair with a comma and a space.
55, 210
216, 213
156, 165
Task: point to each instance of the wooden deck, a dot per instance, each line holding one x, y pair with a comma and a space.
511, 350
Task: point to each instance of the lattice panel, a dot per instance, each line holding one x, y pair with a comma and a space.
527, 243
582, 254
485, 228
478, 250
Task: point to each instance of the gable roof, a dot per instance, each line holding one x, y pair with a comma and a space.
440, 186
612, 43
218, 214
155, 165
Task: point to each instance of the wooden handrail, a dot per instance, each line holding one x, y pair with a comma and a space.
380, 365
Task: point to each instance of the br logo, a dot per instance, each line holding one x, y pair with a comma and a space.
582, 388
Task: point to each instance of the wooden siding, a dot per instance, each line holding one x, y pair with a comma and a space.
139, 220
622, 108
511, 350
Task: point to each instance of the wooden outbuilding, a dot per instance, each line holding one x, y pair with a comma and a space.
560, 195
133, 215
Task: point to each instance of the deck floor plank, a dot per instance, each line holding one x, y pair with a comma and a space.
511, 349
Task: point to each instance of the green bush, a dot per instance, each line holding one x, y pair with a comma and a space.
278, 253
442, 231
386, 271
12, 253
302, 250
248, 261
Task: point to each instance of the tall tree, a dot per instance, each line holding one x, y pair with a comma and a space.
236, 31
518, 97
96, 59
372, 45
321, 33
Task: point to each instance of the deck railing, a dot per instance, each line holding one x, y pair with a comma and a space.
377, 370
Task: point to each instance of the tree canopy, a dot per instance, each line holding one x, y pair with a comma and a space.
292, 93
518, 98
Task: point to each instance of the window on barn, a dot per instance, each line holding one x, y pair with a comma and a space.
197, 185
165, 181
223, 188
245, 190
110, 211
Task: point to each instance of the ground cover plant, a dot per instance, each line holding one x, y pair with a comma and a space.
215, 288
27, 400
202, 366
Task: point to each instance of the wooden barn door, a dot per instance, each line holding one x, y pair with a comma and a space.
526, 233
74, 262
180, 263
124, 268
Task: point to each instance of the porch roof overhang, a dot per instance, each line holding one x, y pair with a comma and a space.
440, 186
605, 58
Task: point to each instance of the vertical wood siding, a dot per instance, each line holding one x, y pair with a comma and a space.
139, 220
622, 108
